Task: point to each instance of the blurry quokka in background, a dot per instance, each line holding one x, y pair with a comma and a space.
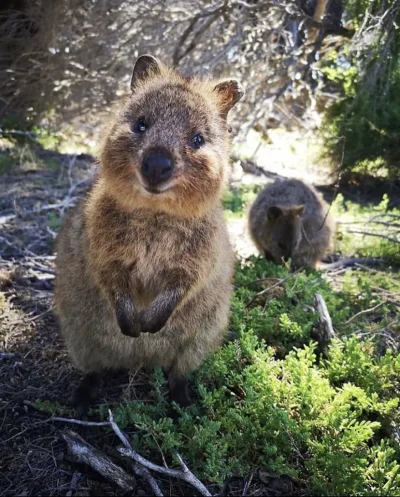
144, 263
289, 220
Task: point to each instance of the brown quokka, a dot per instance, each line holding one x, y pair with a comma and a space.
289, 220
144, 263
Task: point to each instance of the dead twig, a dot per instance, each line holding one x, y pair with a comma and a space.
261, 280
79, 422
38, 316
6, 355
48, 207
379, 235
247, 485
364, 312
141, 466
87, 454
146, 475
74, 484
138, 466
280, 282
348, 262
184, 474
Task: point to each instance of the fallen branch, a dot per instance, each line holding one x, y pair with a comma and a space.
185, 474
323, 329
142, 465
87, 454
146, 475
348, 262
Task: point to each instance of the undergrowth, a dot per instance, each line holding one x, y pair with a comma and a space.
367, 230
271, 399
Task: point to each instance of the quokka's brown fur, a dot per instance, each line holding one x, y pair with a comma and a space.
289, 220
144, 277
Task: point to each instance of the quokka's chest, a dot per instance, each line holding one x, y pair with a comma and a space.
156, 242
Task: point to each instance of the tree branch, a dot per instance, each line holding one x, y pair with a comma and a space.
379, 235
87, 454
185, 474
96, 460
365, 311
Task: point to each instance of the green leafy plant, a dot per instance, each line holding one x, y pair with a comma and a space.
269, 399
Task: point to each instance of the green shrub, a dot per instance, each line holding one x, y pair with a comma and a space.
362, 127
269, 399
236, 199
359, 225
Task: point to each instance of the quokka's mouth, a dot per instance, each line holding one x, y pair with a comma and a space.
153, 190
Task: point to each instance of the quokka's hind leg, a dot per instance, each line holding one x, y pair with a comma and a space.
85, 393
179, 390
187, 360
268, 256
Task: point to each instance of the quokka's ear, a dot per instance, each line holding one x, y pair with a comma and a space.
230, 92
145, 67
274, 212
297, 210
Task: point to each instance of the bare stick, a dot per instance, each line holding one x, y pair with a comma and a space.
261, 280
379, 235
141, 465
184, 474
386, 214
138, 466
6, 355
139, 470
145, 474
74, 484
79, 422
362, 313
348, 262
38, 316
324, 329
87, 454
273, 286
61, 205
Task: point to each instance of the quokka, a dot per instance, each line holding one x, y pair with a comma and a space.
289, 220
144, 263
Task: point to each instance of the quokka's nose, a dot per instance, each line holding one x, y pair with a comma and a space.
156, 168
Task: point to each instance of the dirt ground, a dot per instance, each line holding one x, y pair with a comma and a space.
34, 368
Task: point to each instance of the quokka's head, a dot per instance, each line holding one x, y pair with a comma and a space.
282, 231
168, 149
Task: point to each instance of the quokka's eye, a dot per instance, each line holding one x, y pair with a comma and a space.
197, 141
140, 126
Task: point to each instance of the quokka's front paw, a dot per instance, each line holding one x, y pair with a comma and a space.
151, 322
127, 317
